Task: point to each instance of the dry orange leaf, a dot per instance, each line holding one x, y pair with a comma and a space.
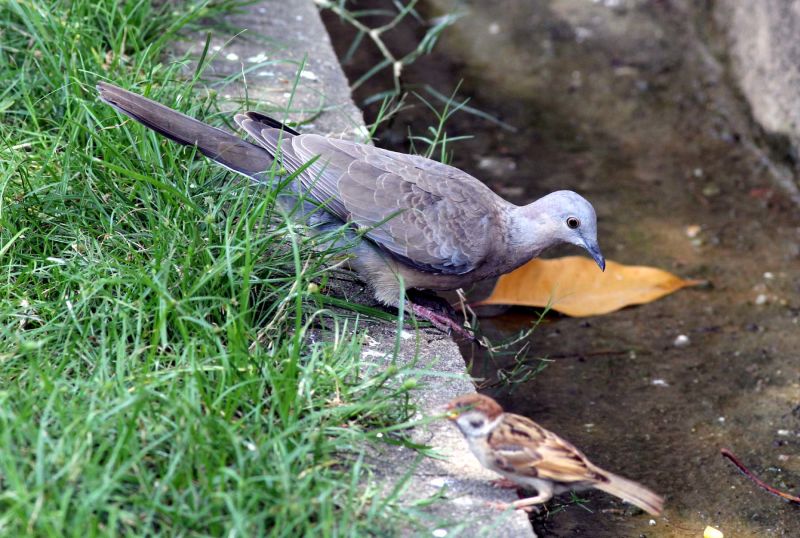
575, 286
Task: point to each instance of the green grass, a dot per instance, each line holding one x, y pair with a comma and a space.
164, 365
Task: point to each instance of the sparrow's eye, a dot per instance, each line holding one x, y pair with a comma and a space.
573, 222
476, 423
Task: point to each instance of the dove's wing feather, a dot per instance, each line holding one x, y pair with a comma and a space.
431, 216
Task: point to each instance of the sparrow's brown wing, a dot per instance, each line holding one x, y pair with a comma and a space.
523, 447
429, 215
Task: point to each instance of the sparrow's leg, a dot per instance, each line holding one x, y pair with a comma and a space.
529, 505
545, 493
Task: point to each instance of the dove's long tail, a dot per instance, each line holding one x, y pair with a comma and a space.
225, 148
631, 492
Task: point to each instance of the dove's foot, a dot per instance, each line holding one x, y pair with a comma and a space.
442, 322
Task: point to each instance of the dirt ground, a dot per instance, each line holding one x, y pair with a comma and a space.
630, 104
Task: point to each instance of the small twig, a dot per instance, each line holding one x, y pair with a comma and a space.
749, 474
602, 353
375, 35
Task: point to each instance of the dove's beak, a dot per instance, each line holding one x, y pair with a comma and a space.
594, 250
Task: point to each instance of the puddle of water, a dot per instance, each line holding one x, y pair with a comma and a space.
622, 102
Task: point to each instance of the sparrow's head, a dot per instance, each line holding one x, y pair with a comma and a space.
474, 414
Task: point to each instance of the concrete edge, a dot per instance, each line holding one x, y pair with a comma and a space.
276, 37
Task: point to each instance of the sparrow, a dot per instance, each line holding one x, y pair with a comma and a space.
530, 456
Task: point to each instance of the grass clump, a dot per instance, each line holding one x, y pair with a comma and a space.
161, 370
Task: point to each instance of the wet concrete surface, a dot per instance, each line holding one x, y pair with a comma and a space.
629, 103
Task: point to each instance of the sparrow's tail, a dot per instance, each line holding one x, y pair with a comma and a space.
631, 492
226, 149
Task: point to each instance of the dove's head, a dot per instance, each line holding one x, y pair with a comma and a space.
563, 217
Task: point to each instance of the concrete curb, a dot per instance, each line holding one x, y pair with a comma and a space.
276, 37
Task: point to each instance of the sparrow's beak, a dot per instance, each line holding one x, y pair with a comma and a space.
449, 412
594, 250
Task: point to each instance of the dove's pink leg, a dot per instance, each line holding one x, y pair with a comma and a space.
440, 321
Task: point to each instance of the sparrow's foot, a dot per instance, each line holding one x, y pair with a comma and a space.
442, 322
504, 483
497, 505
505, 506
528, 509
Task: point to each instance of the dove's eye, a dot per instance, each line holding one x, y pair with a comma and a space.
476, 423
573, 222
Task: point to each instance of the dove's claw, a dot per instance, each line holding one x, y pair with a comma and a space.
440, 321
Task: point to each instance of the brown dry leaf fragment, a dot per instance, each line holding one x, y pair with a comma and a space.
575, 286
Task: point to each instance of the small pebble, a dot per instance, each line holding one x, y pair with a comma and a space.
761, 299
576, 79
258, 58
582, 34
711, 532
721, 420
693, 230
370, 341
438, 482
625, 70
652, 522
362, 132
440, 533
681, 341
769, 276
232, 56
783, 432
659, 383
494, 28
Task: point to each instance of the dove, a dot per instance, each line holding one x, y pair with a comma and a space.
424, 224
528, 455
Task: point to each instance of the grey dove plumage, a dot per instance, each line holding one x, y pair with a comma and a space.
427, 225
